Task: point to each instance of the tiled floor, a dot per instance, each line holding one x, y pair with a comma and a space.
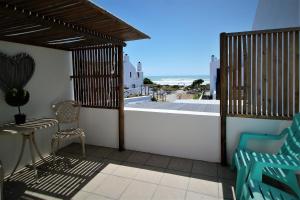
136, 176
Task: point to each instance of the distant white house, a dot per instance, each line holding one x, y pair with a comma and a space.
133, 77
214, 65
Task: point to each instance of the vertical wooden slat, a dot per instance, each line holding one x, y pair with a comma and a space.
285, 74
105, 77
291, 74
230, 75
245, 76
274, 76
248, 74
258, 72
93, 78
224, 99
74, 73
82, 88
235, 63
280, 70
239, 74
296, 53
264, 74
254, 77
269, 75
121, 98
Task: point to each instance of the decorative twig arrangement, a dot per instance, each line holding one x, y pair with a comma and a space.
15, 73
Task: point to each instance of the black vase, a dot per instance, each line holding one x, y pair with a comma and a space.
20, 118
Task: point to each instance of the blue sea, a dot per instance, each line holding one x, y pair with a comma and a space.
178, 80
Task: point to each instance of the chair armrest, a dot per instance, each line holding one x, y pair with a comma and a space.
246, 136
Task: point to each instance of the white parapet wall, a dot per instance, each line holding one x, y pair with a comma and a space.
101, 126
186, 134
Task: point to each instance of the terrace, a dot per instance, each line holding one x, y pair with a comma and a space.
137, 153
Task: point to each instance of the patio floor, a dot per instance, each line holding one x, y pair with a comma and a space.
107, 173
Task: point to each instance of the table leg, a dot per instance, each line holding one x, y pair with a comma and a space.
36, 148
32, 157
20, 156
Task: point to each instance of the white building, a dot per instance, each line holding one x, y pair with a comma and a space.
133, 77
214, 65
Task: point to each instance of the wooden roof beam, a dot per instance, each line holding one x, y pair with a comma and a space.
58, 24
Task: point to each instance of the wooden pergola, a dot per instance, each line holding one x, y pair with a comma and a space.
95, 37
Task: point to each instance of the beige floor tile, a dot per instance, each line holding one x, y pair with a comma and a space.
101, 152
138, 157
167, 193
204, 185
226, 173
120, 155
148, 175
94, 183
110, 167
197, 196
126, 171
180, 164
113, 187
81, 195
177, 180
205, 168
138, 190
158, 161
96, 197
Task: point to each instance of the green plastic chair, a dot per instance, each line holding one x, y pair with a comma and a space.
256, 190
281, 166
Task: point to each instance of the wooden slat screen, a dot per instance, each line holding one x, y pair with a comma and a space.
262, 78
96, 77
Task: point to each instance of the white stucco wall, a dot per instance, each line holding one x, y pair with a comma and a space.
49, 84
272, 14
236, 125
184, 134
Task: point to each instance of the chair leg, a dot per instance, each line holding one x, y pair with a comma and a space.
293, 183
82, 140
53, 141
232, 167
240, 181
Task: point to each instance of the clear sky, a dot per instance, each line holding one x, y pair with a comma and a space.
184, 33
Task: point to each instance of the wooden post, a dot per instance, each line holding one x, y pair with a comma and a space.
121, 98
223, 101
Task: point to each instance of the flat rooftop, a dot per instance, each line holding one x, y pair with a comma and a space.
212, 106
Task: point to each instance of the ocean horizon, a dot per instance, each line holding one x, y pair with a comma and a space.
177, 79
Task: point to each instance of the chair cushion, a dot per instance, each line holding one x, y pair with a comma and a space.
260, 191
69, 133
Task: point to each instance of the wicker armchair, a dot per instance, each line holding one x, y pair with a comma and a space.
67, 115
